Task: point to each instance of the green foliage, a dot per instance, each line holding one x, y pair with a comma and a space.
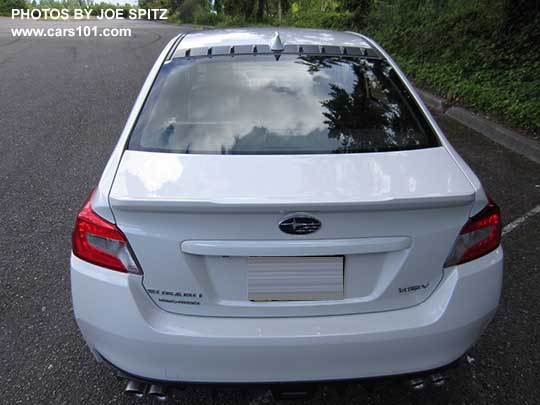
206, 17
7, 5
189, 9
299, 13
482, 53
320, 19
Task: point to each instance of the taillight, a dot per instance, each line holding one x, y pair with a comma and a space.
480, 235
100, 242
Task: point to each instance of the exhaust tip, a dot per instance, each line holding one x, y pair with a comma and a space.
294, 392
158, 392
438, 380
135, 389
417, 384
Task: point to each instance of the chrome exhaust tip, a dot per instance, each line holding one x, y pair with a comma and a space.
158, 392
417, 384
438, 380
135, 389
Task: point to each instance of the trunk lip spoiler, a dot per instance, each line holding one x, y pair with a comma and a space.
185, 205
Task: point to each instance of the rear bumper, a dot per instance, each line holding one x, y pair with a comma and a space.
119, 321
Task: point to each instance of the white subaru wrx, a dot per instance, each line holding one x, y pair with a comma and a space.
282, 208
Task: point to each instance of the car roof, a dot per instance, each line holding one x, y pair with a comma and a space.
259, 35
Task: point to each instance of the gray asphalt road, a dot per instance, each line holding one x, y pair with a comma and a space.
63, 103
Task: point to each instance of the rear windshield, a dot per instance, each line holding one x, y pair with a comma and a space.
264, 104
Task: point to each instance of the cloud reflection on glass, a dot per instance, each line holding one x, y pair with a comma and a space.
268, 105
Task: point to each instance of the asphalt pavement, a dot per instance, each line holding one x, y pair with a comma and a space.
63, 102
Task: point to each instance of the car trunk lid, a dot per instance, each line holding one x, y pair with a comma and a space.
205, 229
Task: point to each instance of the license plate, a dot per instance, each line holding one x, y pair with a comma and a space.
295, 278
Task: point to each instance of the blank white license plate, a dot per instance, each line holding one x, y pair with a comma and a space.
295, 278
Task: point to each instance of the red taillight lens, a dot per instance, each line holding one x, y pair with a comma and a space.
480, 235
100, 242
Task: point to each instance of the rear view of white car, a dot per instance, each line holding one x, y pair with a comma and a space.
282, 208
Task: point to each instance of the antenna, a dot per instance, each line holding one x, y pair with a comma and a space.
276, 45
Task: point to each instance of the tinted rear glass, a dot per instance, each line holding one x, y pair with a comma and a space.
260, 104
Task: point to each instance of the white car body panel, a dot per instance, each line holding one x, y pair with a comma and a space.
165, 201
193, 221
128, 330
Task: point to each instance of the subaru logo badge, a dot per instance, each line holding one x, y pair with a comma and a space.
299, 224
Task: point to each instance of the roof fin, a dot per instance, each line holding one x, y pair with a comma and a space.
276, 45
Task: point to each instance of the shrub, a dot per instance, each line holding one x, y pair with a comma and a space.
7, 5
321, 19
480, 53
206, 17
